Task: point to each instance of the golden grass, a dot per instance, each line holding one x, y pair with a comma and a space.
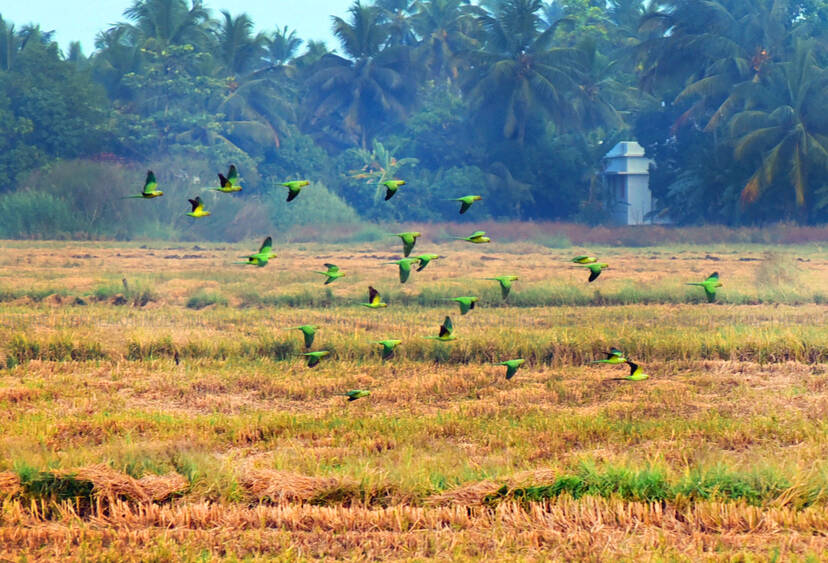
565, 529
110, 485
285, 486
240, 451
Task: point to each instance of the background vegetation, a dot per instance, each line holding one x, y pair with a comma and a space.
517, 100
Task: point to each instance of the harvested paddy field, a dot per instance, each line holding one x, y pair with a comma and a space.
155, 406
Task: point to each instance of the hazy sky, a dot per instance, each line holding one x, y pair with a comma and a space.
81, 20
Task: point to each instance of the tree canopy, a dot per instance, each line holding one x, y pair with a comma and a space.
519, 99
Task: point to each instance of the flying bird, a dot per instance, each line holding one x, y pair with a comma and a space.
355, 394
198, 208
511, 366
333, 273
425, 259
388, 347
308, 331
635, 373
262, 257
505, 284
709, 285
446, 331
150, 188
595, 270
477, 237
466, 303
314, 357
466, 201
391, 187
409, 239
230, 183
294, 187
405, 267
584, 259
614, 356
374, 299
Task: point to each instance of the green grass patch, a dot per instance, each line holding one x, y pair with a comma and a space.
205, 298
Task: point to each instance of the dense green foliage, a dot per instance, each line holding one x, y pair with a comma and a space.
516, 100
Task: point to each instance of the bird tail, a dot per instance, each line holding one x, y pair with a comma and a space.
694, 283
133, 197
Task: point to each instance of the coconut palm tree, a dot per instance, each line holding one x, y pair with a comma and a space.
351, 99
281, 47
397, 16
239, 50
447, 29
707, 46
117, 55
170, 22
517, 75
783, 128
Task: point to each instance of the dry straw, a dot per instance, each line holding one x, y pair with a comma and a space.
111, 485
269, 485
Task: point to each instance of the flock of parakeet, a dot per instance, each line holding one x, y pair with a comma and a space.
232, 183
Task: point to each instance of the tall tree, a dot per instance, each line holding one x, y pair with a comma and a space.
353, 98
170, 22
783, 130
281, 46
518, 75
239, 49
447, 29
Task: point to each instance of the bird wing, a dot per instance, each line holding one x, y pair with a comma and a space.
292, 193
593, 274
373, 295
389, 192
633, 367
464, 206
195, 203
223, 182
478, 234
614, 352
266, 246
308, 338
150, 183
446, 328
233, 175
332, 268
714, 277
505, 285
710, 292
